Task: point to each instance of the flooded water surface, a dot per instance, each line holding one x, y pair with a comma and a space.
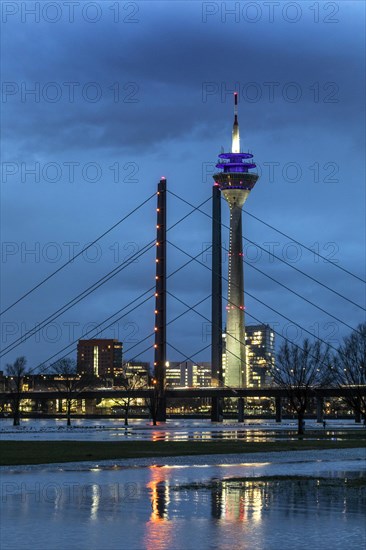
181, 507
172, 430
244, 502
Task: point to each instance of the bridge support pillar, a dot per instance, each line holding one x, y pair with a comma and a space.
161, 408
241, 409
216, 409
37, 405
44, 405
278, 402
160, 302
90, 406
358, 412
319, 409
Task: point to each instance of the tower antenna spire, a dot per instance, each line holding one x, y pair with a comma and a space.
235, 144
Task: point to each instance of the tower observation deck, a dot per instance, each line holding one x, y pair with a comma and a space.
235, 182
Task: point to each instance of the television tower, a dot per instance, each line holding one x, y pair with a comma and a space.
235, 183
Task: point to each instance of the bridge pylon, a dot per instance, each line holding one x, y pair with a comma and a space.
160, 301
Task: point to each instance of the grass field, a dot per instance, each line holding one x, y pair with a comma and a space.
45, 452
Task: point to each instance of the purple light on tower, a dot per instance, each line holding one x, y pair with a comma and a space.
235, 181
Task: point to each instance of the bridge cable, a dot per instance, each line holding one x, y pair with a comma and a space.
257, 299
306, 247
78, 254
90, 289
280, 259
76, 299
261, 323
115, 320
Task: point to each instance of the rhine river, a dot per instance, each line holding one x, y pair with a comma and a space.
204, 502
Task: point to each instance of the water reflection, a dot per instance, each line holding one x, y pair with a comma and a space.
95, 499
163, 508
160, 494
236, 500
182, 430
249, 436
158, 530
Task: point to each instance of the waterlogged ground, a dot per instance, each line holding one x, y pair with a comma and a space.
301, 500
173, 430
190, 505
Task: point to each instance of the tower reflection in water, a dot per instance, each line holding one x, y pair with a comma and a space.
233, 501
236, 507
158, 530
226, 501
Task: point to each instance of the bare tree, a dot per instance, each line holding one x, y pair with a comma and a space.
129, 382
298, 371
69, 382
349, 368
16, 372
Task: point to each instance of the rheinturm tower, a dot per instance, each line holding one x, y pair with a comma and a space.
235, 182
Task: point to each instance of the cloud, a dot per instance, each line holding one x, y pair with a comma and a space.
165, 108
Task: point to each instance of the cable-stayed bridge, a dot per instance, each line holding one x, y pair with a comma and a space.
160, 289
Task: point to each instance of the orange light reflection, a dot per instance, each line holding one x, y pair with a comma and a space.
158, 534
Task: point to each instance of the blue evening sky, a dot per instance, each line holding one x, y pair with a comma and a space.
125, 92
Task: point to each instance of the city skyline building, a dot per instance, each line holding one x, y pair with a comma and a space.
99, 357
259, 353
139, 369
187, 374
235, 182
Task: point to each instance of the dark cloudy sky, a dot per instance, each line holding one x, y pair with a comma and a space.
125, 92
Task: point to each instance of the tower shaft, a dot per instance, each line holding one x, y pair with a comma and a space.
235, 331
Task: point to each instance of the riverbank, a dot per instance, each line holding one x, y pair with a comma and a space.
48, 452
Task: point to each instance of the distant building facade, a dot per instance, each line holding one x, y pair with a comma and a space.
99, 357
139, 369
187, 374
259, 352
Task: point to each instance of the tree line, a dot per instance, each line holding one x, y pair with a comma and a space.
299, 369
67, 380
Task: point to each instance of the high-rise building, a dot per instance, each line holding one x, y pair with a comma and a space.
187, 374
99, 357
235, 182
138, 369
260, 354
